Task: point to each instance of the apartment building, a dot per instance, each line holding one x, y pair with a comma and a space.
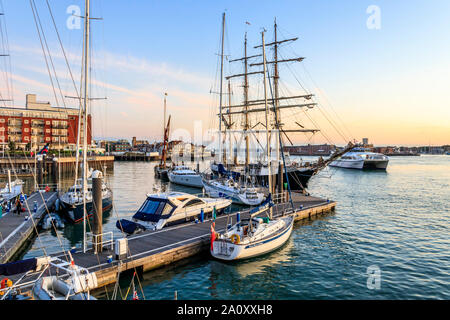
39, 123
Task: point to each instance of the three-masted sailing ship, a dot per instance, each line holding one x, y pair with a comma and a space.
257, 170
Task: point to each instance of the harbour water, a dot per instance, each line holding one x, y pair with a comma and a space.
395, 223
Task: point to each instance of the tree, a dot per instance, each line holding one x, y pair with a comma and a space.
12, 145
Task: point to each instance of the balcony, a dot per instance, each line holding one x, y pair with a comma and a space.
60, 132
14, 131
14, 123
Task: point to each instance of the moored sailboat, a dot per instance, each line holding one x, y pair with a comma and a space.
254, 236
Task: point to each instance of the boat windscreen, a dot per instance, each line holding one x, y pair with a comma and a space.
153, 210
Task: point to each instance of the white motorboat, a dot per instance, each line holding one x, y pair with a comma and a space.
185, 176
361, 158
228, 188
252, 237
161, 209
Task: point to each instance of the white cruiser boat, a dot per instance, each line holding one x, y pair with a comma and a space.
161, 209
252, 237
361, 158
185, 176
228, 188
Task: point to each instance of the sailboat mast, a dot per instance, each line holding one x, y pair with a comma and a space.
277, 112
164, 123
269, 165
221, 89
230, 147
246, 125
86, 76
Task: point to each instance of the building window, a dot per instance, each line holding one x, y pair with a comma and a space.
47, 139
26, 121
47, 130
47, 122
27, 138
2, 120
26, 129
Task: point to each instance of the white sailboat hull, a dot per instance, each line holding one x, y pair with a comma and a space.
194, 180
225, 250
218, 191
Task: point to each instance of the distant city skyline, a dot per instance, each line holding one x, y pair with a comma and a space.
387, 82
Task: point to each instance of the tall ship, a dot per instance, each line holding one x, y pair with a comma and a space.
242, 119
362, 159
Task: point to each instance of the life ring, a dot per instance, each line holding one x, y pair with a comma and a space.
5, 283
235, 238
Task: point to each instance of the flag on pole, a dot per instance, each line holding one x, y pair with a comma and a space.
44, 150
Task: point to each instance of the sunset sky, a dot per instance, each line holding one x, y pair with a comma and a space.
389, 84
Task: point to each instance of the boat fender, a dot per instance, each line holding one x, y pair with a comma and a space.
235, 238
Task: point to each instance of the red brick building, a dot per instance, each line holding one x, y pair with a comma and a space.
39, 123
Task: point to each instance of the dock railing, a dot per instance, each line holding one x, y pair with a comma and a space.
46, 187
107, 239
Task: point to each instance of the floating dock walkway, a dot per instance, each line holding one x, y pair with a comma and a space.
15, 229
154, 249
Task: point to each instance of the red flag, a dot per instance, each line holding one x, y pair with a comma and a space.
213, 236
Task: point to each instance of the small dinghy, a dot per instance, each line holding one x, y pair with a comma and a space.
252, 237
76, 287
51, 219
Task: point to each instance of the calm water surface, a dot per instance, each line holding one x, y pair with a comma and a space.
397, 221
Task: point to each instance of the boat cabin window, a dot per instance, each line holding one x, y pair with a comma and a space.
154, 209
193, 202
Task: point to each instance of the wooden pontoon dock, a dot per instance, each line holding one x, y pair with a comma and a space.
16, 230
153, 249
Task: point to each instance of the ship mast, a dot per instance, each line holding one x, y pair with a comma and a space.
246, 125
86, 76
277, 111
246, 101
269, 164
228, 125
221, 91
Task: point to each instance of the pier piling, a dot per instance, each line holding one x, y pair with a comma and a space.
98, 209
